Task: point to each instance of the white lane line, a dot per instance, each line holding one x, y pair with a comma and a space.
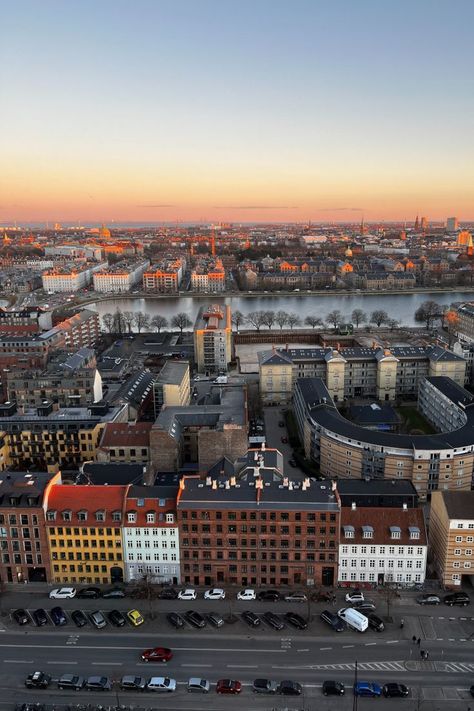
65, 662
198, 666
348, 646
303, 650
393, 641
324, 649
370, 644
242, 666
175, 649
107, 664
17, 661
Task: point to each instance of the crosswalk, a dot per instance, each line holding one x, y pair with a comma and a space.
456, 667
363, 666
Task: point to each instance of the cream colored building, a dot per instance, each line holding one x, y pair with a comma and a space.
172, 386
213, 339
119, 277
451, 536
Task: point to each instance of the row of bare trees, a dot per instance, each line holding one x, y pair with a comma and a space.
128, 321
259, 319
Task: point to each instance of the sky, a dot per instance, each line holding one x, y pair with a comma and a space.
217, 110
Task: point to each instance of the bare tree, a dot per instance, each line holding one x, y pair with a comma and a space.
428, 313
281, 317
334, 318
392, 323
379, 316
141, 321
268, 318
129, 319
159, 322
358, 316
293, 320
256, 319
313, 321
147, 589
388, 595
108, 321
119, 322
181, 321
238, 319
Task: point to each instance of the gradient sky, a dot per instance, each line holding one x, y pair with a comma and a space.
236, 110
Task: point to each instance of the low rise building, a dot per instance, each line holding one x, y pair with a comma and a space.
125, 442
213, 339
120, 277
81, 330
70, 278
208, 276
451, 536
164, 277
29, 320
172, 386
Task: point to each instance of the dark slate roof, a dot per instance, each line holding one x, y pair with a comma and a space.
314, 391
274, 358
27, 488
452, 390
377, 487
113, 473
135, 388
459, 504
153, 492
373, 414
437, 353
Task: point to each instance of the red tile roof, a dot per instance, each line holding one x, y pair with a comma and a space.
123, 434
84, 497
381, 519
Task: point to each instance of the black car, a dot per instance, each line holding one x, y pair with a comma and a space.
457, 598
471, 691
333, 688
21, 617
89, 593
116, 618
251, 618
195, 619
269, 595
79, 618
38, 680
393, 690
168, 594
98, 683
175, 620
264, 686
114, 594
133, 683
273, 620
290, 688
333, 620
376, 623
364, 607
215, 619
40, 617
58, 616
296, 620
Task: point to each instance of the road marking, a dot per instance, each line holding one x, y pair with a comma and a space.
107, 664
303, 650
17, 661
324, 649
242, 666
207, 666
64, 662
370, 644
176, 649
348, 646
393, 641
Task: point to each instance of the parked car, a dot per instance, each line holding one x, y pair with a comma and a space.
161, 683
62, 593
133, 683
197, 685
354, 597
38, 680
295, 620
264, 686
290, 688
228, 686
58, 616
40, 617
114, 594
247, 594
98, 683
333, 620
195, 619
269, 595
366, 688
251, 618
116, 618
98, 619
135, 617
168, 594
20, 616
79, 618
394, 690
214, 594
157, 654
366, 606
187, 594
333, 688
376, 623
273, 620
215, 619
88, 593
296, 597
71, 681
176, 620
457, 598
428, 599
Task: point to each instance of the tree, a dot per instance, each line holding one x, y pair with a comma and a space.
334, 318
428, 312
256, 319
159, 322
141, 321
451, 322
313, 321
119, 322
358, 316
108, 321
379, 316
281, 317
293, 320
238, 319
181, 321
392, 323
268, 318
388, 593
147, 589
129, 319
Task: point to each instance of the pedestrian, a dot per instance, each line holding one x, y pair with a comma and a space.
427, 654
418, 641
422, 654
402, 623
413, 639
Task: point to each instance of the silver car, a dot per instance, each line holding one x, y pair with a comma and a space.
161, 683
195, 684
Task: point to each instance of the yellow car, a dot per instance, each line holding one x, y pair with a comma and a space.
135, 617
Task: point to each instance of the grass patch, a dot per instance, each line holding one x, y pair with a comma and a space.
414, 420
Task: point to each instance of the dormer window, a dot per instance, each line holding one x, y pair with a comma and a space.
349, 531
117, 516
367, 532
395, 532
51, 515
67, 515
169, 518
140, 502
82, 515
100, 515
132, 517
150, 517
414, 532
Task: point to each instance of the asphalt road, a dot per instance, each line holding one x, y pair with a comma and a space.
236, 651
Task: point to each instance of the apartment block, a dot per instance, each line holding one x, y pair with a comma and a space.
213, 339
120, 277
70, 278
125, 442
208, 276
172, 386
451, 536
465, 328
26, 321
164, 277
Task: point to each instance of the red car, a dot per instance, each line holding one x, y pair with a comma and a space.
157, 654
228, 686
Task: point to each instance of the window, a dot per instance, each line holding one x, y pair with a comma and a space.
169, 518
51, 515
116, 516
150, 518
458, 539
82, 515
100, 515
67, 516
132, 517
457, 551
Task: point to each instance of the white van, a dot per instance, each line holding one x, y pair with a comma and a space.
354, 618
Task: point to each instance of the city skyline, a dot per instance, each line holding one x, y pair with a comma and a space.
259, 112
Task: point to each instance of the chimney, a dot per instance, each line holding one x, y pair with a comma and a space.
214, 483
263, 446
208, 481
405, 507
307, 481
181, 483
227, 484
290, 486
303, 485
255, 456
353, 506
285, 481
232, 480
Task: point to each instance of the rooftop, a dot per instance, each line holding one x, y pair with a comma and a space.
99, 473
172, 373
126, 434
383, 521
25, 488
459, 504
